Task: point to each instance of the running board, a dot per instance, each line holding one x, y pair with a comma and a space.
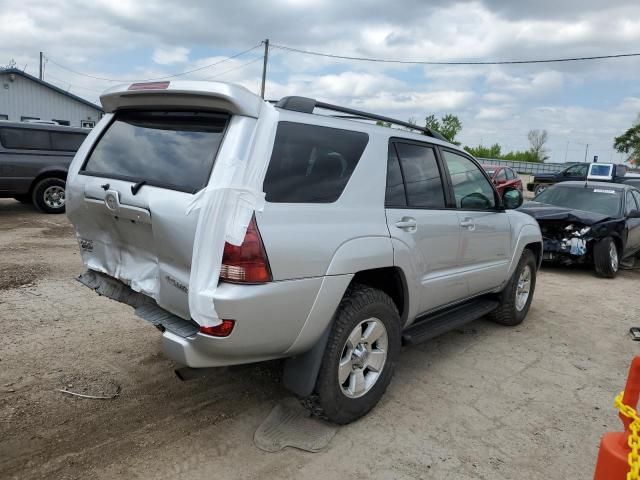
451, 318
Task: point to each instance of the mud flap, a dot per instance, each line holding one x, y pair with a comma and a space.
301, 372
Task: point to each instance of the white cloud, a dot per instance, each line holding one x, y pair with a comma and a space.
170, 55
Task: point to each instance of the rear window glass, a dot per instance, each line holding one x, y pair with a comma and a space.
174, 150
311, 164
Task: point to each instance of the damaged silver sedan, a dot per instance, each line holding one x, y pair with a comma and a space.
589, 222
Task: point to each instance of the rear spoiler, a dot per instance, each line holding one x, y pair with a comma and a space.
219, 96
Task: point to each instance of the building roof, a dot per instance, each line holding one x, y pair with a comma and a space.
51, 86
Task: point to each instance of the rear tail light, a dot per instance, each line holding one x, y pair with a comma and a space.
247, 263
222, 330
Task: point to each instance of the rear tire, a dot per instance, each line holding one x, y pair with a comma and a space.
606, 258
362, 351
514, 305
49, 195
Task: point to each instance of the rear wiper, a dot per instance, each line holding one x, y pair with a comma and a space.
138, 186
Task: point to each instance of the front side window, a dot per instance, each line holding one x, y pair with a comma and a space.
511, 175
174, 150
577, 170
471, 189
421, 175
311, 164
636, 195
502, 176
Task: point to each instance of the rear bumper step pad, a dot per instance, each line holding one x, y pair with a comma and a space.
144, 307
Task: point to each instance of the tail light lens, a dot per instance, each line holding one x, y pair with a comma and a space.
222, 330
247, 263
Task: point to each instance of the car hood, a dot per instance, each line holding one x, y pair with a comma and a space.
543, 211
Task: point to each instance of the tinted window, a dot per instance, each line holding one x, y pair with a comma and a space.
395, 196
311, 164
636, 195
605, 201
421, 175
169, 149
24, 138
66, 141
577, 170
630, 204
470, 187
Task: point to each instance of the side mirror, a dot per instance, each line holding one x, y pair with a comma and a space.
512, 199
634, 214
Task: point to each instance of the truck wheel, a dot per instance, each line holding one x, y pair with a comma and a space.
539, 189
605, 257
516, 297
49, 195
360, 356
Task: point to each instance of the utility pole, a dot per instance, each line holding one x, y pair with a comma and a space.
586, 151
264, 66
566, 151
41, 72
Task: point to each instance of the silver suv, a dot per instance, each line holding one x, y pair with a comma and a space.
370, 237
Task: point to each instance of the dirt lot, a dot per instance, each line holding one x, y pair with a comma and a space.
484, 402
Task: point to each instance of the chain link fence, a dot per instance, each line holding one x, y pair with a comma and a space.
529, 168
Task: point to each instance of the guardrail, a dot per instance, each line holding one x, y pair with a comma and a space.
530, 168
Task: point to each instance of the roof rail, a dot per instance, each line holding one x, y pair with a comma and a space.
307, 105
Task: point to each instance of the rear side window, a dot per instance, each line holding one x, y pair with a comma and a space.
31, 139
421, 175
25, 139
311, 164
66, 141
395, 194
174, 150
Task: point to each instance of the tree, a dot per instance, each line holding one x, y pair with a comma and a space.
629, 143
449, 126
494, 151
538, 139
380, 123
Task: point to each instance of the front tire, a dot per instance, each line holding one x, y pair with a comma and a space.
360, 356
49, 195
605, 258
516, 297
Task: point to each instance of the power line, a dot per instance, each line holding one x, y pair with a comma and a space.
235, 68
421, 62
157, 78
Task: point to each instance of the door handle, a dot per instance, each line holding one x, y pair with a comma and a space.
407, 223
468, 223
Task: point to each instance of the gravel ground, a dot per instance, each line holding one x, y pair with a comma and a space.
483, 402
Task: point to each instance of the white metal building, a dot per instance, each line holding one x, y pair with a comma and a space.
24, 97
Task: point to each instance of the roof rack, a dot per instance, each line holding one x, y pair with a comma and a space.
307, 105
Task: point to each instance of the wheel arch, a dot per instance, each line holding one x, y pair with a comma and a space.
52, 173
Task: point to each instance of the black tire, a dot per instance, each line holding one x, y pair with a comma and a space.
508, 312
44, 200
329, 401
603, 257
23, 198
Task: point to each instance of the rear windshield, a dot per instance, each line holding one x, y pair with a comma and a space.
603, 200
174, 150
311, 164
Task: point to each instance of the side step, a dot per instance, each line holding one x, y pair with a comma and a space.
442, 322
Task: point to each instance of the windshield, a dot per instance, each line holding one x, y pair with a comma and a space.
173, 150
603, 200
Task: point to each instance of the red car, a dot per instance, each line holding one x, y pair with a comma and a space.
503, 178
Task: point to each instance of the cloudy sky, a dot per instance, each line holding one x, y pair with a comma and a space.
577, 103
